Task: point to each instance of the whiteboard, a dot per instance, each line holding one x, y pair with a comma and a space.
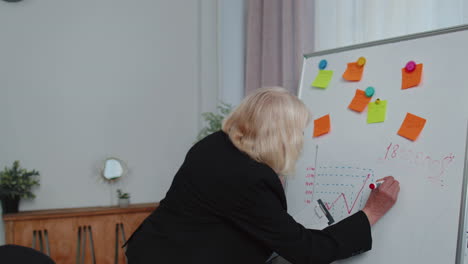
424, 225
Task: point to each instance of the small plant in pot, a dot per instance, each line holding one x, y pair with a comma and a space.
124, 198
16, 183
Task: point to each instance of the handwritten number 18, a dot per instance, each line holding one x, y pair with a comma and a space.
395, 148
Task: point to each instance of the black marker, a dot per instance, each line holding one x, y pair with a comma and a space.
326, 212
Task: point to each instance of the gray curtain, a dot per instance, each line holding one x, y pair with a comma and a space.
279, 32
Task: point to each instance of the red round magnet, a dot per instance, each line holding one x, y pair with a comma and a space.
410, 66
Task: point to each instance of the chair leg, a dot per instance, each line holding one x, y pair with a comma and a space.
78, 246
34, 239
116, 253
91, 243
47, 245
83, 233
123, 232
83, 245
41, 241
123, 237
119, 228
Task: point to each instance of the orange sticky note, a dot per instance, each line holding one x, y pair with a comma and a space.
353, 72
322, 125
360, 101
412, 126
411, 79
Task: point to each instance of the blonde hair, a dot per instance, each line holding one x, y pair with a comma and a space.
268, 125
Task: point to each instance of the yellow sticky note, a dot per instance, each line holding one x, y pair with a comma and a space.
323, 79
376, 111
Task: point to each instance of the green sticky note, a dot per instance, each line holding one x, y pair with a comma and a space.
376, 112
323, 79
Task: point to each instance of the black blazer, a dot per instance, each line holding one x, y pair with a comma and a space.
224, 207
15, 254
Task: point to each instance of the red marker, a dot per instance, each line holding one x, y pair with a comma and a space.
373, 186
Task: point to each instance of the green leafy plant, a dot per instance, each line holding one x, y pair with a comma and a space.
122, 195
16, 182
214, 120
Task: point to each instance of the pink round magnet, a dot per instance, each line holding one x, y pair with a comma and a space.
410, 66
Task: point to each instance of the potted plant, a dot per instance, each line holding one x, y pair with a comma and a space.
214, 120
124, 198
16, 183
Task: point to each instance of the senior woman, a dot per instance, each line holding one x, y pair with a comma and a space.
227, 205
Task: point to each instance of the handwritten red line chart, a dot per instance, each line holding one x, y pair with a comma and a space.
342, 195
341, 188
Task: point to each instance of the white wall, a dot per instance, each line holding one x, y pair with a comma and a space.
232, 50
343, 23
84, 80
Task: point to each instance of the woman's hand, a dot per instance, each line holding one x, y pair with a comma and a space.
381, 199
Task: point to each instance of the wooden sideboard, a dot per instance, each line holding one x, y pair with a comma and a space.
77, 235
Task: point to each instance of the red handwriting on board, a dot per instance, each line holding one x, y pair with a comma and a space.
309, 184
437, 166
342, 195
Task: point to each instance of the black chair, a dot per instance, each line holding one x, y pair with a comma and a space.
14, 254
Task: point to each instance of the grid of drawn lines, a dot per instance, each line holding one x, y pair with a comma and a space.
343, 189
